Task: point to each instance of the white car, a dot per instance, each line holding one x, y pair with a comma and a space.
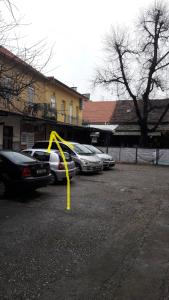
107, 159
55, 161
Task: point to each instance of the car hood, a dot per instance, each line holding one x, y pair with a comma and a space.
104, 156
91, 158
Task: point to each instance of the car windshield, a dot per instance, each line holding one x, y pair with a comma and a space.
94, 149
17, 157
82, 150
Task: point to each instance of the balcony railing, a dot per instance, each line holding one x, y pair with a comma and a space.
39, 110
67, 119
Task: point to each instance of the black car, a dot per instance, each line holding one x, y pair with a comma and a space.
21, 172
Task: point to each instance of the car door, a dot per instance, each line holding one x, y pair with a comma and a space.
7, 169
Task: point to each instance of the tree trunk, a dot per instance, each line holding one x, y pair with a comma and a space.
144, 140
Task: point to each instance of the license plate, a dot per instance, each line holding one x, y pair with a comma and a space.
41, 171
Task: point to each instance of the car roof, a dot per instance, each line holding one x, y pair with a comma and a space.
47, 141
41, 149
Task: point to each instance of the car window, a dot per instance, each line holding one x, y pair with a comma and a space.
27, 152
94, 149
17, 157
82, 150
65, 148
41, 155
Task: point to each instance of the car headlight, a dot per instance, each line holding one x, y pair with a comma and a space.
85, 162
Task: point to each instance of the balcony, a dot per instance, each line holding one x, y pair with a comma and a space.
38, 110
48, 112
67, 119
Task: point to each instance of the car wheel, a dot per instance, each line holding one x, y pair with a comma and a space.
2, 189
78, 168
53, 178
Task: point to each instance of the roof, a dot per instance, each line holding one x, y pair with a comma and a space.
66, 87
98, 112
124, 112
14, 58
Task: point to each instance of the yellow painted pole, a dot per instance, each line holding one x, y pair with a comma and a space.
53, 137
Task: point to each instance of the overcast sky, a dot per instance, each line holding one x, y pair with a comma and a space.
76, 29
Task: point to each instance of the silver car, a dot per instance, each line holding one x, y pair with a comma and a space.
85, 160
55, 161
107, 159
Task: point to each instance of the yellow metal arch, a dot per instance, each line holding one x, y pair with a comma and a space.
54, 136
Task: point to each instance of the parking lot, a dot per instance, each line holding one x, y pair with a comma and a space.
112, 244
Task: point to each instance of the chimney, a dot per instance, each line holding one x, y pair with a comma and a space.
74, 88
87, 95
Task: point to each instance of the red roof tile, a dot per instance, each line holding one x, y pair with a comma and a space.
98, 112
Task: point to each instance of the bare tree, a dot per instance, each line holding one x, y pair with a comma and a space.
137, 64
21, 66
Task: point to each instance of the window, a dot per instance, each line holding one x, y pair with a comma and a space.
27, 139
77, 114
7, 88
26, 152
70, 112
80, 103
63, 107
41, 155
82, 150
31, 93
53, 103
65, 148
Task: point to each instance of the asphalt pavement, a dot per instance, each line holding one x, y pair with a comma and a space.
112, 244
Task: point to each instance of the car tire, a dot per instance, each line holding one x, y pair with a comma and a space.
78, 168
2, 189
53, 178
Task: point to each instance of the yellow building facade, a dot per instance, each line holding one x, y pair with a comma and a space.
66, 103
30, 101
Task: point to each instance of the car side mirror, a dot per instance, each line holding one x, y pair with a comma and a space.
67, 155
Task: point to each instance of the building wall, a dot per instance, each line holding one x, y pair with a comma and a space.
13, 121
44, 89
61, 95
1, 136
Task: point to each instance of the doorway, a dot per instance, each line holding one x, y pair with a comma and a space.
8, 137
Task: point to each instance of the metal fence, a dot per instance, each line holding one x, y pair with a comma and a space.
139, 155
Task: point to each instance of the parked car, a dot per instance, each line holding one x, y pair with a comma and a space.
84, 159
55, 161
18, 171
107, 159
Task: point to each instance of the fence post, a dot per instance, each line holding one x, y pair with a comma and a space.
120, 154
136, 153
157, 156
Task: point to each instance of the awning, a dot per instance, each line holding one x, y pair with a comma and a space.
103, 127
